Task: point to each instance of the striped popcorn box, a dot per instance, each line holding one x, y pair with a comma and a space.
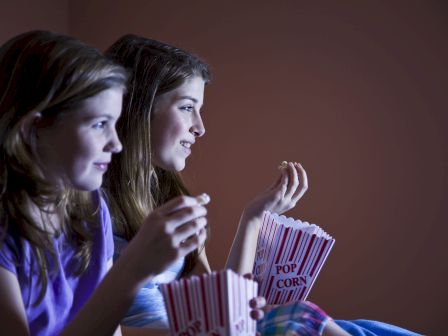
211, 304
289, 256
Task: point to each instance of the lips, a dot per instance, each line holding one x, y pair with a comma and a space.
186, 146
101, 165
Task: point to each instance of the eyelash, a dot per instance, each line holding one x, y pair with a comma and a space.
188, 108
100, 125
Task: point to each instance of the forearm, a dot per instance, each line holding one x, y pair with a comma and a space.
242, 253
102, 313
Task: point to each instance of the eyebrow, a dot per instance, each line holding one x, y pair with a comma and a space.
102, 116
194, 100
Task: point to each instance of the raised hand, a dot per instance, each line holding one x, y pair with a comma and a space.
170, 232
283, 195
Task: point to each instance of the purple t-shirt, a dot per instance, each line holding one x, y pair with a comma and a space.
66, 293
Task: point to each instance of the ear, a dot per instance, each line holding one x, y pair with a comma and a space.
28, 125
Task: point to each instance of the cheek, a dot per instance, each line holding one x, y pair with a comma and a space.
166, 134
84, 151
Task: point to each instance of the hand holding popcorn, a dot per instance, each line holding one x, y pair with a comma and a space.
283, 194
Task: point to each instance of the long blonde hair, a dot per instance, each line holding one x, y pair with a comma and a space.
53, 74
133, 185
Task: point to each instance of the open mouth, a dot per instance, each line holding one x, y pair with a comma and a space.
101, 166
185, 144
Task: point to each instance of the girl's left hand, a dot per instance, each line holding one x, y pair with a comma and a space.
283, 195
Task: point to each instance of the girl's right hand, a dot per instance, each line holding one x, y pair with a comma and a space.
170, 232
283, 195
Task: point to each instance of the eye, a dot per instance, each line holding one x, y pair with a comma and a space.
100, 125
187, 108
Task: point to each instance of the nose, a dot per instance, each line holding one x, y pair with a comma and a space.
198, 129
114, 145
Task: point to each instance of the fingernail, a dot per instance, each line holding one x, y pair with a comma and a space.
203, 199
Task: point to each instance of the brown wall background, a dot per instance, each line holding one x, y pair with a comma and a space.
355, 91
17, 16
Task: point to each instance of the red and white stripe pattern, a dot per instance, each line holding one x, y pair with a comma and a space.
212, 304
290, 254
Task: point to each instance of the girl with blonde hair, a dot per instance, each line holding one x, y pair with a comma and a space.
59, 102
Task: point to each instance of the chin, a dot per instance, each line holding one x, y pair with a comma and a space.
176, 168
88, 186
173, 167
180, 167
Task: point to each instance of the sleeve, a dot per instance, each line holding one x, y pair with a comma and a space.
8, 254
106, 223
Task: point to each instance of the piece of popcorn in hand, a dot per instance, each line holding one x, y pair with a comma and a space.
203, 199
283, 165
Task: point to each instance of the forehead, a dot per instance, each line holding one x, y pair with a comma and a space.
193, 87
194, 84
106, 103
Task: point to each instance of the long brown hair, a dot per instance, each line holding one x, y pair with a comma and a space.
133, 186
52, 74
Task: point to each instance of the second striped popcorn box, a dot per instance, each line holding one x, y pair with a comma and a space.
215, 304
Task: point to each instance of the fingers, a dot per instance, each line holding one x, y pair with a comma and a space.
181, 202
257, 304
182, 209
257, 314
182, 221
282, 184
293, 180
187, 222
170, 232
203, 199
248, 276
183, 216
303, 183
277, 183
187, 230
297, 181
292, 187
192, 243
